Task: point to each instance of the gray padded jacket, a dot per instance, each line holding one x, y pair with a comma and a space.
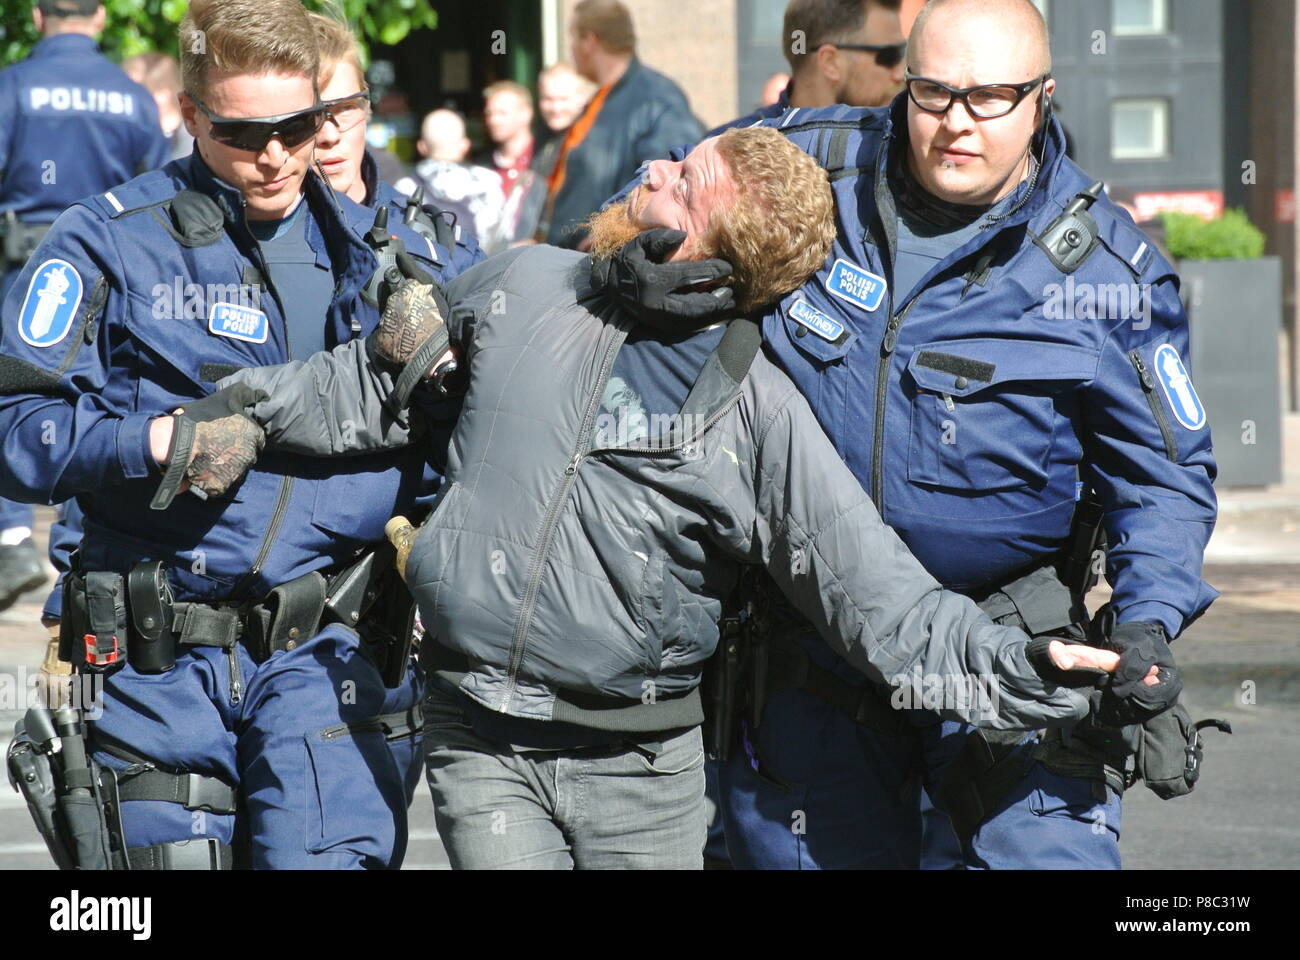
583, 578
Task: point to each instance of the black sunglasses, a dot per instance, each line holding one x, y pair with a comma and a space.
985, 101
254, 133
887, 55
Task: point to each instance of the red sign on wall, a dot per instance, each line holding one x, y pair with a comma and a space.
1202, 203
1284, 206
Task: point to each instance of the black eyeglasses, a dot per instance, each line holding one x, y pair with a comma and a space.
887, 55
347, 112
986, 101
254, 133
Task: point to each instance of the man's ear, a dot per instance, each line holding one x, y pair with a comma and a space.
421, 148
189, 113
827, 59
38, 20
101, 15
1045, 103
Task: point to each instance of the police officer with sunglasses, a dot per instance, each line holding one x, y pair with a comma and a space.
245, 719
840, 51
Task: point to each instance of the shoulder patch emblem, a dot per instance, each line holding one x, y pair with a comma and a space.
238, 322
1178, 387
50, 306
816, 321
855, 285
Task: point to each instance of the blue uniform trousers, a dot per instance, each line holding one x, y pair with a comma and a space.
318, 787
849, 799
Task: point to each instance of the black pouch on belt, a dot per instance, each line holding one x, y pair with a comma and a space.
93, 629
1169, 757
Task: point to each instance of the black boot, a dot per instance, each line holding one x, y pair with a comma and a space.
20, 570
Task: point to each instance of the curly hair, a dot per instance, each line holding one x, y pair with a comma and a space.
779, 228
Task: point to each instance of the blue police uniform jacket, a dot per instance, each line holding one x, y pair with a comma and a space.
973, 408
465, 252
72, 124
119, 318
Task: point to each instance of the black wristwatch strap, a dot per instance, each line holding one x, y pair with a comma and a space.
178, 458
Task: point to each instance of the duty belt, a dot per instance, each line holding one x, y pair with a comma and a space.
791, 668
289, 614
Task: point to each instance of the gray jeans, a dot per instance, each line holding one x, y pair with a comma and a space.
590, 809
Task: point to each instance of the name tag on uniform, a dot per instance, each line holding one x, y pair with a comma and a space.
816, 321
238, 323
856, 286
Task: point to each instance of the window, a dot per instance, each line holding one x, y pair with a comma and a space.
1139, 129
1140, 18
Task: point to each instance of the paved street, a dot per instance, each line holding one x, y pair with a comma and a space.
1246, 648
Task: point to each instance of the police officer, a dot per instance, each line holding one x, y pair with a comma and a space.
840, 51
978, 407
990, 344
239, 702
71, 124
341, 154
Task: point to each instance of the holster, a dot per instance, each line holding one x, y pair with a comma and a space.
371, 597
76, 802
20, 240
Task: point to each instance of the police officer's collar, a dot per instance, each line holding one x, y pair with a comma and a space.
232, 202
63, 43
370, 177
202, 179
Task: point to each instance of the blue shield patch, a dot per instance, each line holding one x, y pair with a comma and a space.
50, 306
238, 323
816, 321
1179, 391
855, 285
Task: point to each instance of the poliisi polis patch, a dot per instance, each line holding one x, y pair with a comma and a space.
856, 286
238, 323
50, 306
1178, 387
816, 321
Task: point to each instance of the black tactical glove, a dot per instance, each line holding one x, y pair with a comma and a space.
213, 444
238, 398
660, 294
412, 334
1126, 699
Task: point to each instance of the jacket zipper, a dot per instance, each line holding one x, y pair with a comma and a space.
581, 446
286, 483
363, 726
887, 345
236, 678
1149, 388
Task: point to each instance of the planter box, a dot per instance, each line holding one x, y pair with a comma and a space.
1235, 307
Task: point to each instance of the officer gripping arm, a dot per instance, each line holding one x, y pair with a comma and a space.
69, 426
1148, 456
